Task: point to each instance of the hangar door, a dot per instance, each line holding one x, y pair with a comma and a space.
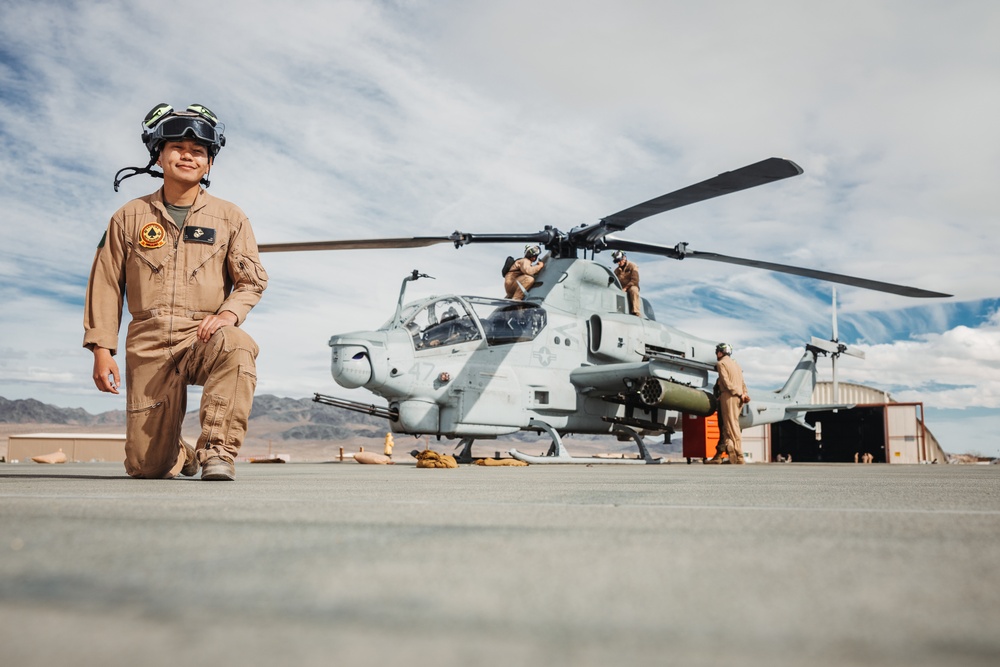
844, 433
905, 434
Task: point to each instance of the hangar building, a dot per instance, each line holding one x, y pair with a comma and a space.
890, 431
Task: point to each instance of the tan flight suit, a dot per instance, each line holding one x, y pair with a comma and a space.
628, 276
522, 272
171, 280
731, 389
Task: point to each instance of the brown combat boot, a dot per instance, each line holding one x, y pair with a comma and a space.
190, 468
218, 469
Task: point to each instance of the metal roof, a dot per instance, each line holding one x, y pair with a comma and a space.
857, 394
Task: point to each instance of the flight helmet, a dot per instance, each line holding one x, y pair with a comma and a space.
163, 124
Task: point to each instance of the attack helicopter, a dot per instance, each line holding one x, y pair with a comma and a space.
569, 358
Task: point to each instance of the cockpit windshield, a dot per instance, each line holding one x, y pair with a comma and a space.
506, 321
446, 321
452, 320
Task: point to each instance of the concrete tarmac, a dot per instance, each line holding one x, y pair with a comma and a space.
345, 564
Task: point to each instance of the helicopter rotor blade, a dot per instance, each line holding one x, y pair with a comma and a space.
457, 238
680, 251
750, 176
356, 244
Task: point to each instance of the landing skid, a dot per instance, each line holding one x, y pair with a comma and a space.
558, 454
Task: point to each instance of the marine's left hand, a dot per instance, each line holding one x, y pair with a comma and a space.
213, 323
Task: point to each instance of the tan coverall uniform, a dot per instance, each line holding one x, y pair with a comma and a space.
173, 278
522, 272
628, 276
731, 389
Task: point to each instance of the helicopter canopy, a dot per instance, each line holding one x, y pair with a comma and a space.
452, 320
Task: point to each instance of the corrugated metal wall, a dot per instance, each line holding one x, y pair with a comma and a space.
757, 444
849, 393
76, 446
905, 436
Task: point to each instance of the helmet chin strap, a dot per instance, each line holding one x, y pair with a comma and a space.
155, 174
136, 170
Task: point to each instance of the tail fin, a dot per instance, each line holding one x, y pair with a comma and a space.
792, 401
800, 384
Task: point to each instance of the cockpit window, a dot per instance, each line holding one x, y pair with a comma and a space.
404, 316
508, 322
443, 322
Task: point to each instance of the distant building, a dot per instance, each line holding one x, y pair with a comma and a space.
889, 431
76, 446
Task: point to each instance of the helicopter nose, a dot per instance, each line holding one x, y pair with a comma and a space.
351, 366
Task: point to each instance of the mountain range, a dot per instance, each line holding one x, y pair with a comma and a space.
304, 418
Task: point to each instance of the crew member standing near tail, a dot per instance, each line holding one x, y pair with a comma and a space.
731, 391
187, 265
521, 275
628, 275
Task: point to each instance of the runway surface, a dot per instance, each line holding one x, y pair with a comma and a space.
345, 564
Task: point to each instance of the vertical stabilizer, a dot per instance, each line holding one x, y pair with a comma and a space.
800, 384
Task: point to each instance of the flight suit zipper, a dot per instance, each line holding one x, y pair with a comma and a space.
173, 296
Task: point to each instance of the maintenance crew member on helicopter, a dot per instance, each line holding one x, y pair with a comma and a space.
187, 265
521, 275
628, 275
731, 391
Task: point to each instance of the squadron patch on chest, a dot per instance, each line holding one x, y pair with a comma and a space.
199, 234
152, 235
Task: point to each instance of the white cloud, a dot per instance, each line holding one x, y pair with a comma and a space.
953, 369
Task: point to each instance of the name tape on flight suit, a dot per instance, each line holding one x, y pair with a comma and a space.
199, 234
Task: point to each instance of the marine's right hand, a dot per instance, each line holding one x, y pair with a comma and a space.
106, 375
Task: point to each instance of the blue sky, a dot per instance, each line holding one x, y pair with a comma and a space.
348, 119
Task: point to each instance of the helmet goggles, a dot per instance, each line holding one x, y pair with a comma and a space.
197, 122
177, 128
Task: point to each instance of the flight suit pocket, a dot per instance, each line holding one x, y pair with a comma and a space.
210, 259
246, 384
205, 275
142, 411
151, 439
214, 421
145, 421
251, 271
145, 276
227, 417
